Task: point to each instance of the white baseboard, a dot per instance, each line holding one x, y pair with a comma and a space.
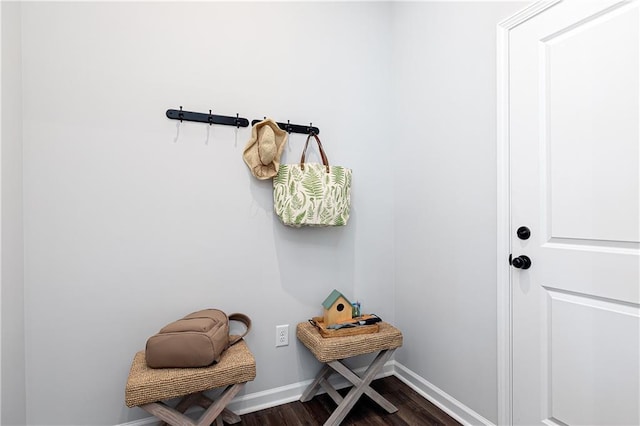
284, 394
273, 397
439, 398
141, 422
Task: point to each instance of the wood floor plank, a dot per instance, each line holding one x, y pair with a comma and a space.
413, 410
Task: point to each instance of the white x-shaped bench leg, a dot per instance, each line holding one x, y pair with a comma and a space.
360, 386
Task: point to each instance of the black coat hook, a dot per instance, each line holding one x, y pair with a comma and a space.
294, 128
207, 118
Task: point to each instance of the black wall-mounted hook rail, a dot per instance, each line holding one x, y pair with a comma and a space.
200, 117
294, 128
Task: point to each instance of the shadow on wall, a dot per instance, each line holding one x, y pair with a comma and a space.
313, 261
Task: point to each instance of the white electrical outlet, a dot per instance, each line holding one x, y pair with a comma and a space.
282, 335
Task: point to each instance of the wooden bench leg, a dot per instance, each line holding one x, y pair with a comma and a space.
218, 406
358, 389
227, 415
312, 389
215, 409
331, 391
357, 381
184, 404
168, 414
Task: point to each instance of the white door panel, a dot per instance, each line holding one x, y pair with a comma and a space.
574, 126
584, 334
589, 95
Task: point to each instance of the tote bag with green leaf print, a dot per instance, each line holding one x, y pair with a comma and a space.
312, 194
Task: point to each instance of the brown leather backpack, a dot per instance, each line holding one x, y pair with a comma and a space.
196, 340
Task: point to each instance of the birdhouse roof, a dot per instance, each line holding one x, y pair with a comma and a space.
331, 299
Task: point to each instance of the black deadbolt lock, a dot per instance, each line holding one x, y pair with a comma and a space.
523, 233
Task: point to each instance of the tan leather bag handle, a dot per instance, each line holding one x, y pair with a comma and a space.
243, 319
325, 160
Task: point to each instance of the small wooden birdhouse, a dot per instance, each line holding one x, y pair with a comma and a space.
337, 309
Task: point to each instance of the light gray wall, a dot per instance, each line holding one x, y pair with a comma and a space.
127, 228
444, 56
12, 368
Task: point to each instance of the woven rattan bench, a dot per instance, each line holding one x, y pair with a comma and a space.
332, 350
147, 387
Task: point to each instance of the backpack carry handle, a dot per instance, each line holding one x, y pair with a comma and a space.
243, 319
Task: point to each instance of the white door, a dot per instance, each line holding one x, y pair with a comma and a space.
575, 183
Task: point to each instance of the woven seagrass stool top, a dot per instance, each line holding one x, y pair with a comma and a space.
327, 349
146, 385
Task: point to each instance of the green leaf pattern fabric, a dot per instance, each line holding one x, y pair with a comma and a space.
312, 197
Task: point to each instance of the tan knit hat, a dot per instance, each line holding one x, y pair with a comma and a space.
262, 153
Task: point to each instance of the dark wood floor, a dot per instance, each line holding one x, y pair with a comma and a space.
413, 410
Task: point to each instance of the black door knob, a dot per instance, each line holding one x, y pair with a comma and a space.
521, 262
